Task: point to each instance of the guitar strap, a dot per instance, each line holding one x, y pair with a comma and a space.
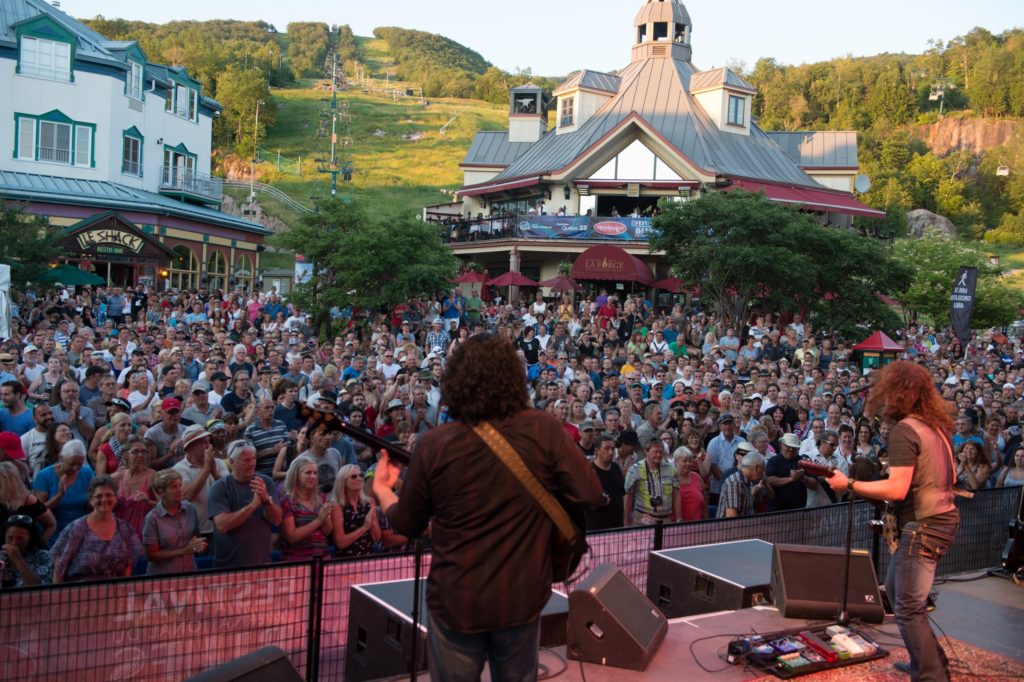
512, 459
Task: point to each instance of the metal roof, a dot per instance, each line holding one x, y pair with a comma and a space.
720, 77
591, 80
493, 149
820, 148
657, 91
110, 195
90, 44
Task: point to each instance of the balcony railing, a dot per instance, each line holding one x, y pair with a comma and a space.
178, 180
532, 226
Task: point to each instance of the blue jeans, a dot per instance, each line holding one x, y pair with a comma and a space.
511, 652
908, 583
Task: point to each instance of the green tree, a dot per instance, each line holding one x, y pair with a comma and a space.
739, 245
317, 237
383, 259
937, 261
27, 243
239, 90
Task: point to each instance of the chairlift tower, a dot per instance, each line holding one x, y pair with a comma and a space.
335, 112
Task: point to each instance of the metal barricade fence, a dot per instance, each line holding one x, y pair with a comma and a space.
154, 628
172, 627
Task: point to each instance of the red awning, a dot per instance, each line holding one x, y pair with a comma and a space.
822, 200
489, 187
879, 341
607, 262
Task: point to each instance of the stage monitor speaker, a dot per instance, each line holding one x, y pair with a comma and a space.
268, 664
708, 578
611, 622
380, 630
807, 582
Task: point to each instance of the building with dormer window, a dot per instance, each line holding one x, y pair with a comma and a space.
621, 142
116, 150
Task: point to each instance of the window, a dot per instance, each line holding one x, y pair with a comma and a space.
45, 58
183, 273
54, 138
133, 88
737, 113
217, 271
183, 101
26, 138
568, 105
54, 142
131, 157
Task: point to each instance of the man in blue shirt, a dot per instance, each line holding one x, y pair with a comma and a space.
14, 416
722, 450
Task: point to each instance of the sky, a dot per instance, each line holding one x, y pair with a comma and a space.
556, 38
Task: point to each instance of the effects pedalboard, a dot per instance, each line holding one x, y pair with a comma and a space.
791, 653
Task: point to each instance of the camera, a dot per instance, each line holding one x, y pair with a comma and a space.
656, 501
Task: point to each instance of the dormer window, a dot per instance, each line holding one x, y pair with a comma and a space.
737, 111
45, 58
568, 116
133, 87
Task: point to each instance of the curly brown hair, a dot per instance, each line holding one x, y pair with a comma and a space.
484, 379
905, 388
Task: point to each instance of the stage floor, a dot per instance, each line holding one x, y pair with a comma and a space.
987, 613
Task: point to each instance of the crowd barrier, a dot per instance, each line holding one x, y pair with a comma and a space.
172, 627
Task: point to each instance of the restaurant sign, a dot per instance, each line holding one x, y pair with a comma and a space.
586, 227
110, 241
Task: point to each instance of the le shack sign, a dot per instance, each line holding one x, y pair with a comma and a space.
92, 239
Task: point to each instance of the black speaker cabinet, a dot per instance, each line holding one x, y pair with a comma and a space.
269, 664
723, 577
807, 582
380, 628
612, 623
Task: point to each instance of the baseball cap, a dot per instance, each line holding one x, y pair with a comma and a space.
200, 387
30, 348
395, 403
170, 404
727, 417
121, 403
215, 425
6, 357
219, 376
10, 443
588, 425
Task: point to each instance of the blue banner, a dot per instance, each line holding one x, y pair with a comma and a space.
585, 227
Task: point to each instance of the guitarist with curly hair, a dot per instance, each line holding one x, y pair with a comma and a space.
493, 557
921, 480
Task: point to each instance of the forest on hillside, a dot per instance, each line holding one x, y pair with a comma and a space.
979, 74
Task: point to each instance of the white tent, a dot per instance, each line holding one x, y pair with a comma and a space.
5, 302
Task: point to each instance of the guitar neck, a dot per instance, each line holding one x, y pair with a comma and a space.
396, 453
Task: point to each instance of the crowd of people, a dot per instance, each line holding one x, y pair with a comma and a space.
159, 431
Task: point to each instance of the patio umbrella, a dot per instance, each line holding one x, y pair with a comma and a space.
560, 283
668, 284
512, 279
471, 277
69, 276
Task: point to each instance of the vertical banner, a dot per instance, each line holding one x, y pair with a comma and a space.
961, 304
5, 302
303, 270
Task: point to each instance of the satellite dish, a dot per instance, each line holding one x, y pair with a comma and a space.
862, 184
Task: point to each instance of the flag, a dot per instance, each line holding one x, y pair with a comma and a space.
961, 303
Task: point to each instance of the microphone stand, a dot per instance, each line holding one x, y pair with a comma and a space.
417, 545
843, 615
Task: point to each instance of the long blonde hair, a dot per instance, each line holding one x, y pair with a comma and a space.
12, 488
291, 478
338, 492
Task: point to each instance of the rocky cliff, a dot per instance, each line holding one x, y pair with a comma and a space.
974, 134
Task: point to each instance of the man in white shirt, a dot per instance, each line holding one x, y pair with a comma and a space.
199, 469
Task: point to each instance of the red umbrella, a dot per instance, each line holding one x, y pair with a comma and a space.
512, 279
560, 283
471, 276
668, 284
